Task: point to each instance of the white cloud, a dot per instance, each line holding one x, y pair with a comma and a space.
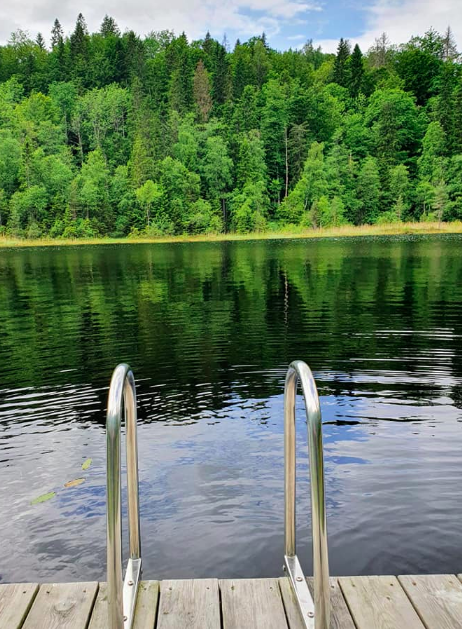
192, 16
401, 19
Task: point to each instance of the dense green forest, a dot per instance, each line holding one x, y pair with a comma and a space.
110, 134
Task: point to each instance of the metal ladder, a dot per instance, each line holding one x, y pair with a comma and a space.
121, 595
315, 615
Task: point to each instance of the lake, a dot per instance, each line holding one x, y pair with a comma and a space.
209, 329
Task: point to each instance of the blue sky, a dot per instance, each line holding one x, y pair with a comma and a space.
329, 21
286, 22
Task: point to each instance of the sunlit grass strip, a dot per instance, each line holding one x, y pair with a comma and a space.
346, 231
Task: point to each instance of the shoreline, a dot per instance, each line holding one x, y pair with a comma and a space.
347, 231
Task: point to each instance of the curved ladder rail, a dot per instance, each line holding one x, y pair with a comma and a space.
121, 597
315, 615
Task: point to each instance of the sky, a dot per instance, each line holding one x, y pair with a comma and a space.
287, 23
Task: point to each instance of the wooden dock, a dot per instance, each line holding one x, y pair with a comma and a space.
381, 602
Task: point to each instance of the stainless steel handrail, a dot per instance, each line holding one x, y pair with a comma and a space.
121, 597
315, 615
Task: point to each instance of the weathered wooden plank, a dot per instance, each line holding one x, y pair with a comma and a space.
15, 601
340, 617
379, 603
145, 612
193, 603
252, 604
62, 606
437, 599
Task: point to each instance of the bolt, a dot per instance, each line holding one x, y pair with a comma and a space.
299, 579
130, 583
310, 614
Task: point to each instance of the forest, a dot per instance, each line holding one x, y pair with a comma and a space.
110, 134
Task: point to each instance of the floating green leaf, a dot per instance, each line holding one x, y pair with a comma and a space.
43, 498
74, 483
86, 464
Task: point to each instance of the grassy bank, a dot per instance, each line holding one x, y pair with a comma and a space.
347, 231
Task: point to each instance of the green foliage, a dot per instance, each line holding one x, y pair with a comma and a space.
310, 188
148, 195
109, 133
431, 162
399, 190
368, 192
249, 208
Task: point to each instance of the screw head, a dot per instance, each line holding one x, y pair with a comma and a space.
299, 579
310, 614
125, 618
130, 583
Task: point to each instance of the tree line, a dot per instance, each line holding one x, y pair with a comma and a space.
111, 134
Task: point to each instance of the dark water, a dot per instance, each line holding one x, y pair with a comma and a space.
209, 330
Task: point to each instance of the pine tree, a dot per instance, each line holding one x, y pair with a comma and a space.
340, 64
356, 72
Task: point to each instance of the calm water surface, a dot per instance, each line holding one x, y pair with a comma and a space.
209, 330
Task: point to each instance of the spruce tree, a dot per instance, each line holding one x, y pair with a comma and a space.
240, 74
109, 27
208, 44
340, 64
181, 82
220, 89
78, 37
79, 50
449, 46
57, 35
134, 59
201, 89
356, 72
40, 41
